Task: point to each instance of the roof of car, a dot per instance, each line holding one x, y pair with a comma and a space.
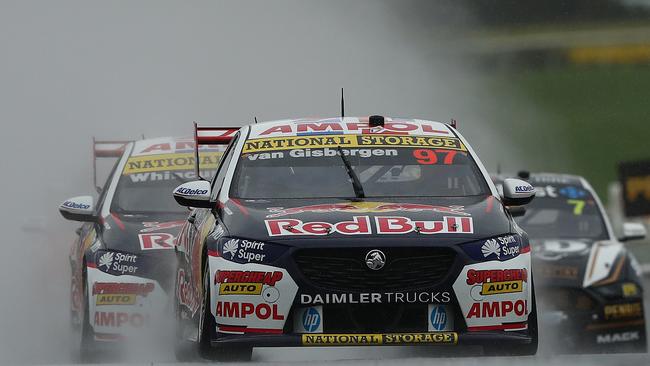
163, 145
347, 125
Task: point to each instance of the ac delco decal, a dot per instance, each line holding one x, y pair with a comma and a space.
347, 141
361, 225
497, 309
141, 289
379, 339
230, 309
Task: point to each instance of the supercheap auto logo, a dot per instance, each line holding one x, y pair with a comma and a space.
249, 283
113, 299
347, 141
496, 281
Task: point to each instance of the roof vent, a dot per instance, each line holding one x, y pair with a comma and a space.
375, 121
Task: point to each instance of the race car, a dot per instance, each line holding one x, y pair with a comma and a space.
123, 263
351, 231
589, 287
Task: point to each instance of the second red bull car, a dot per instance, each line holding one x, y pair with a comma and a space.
123, 263
351, 231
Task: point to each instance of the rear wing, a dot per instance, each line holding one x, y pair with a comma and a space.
106, 149
210, 136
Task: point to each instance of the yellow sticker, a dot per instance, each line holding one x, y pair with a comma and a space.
505, 287
617, 311
170, 162
379, 339
115, 299
240, 289
630, 289
348, 141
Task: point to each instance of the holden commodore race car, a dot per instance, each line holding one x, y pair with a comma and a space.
589, 286
351, 231
123, 263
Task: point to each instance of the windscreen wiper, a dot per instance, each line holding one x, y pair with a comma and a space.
356, 183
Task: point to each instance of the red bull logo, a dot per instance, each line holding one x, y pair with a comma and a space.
367, 207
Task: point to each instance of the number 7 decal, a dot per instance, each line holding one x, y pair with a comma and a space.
579, 206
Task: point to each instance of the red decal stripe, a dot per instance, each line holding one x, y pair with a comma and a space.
213, 253
490, 204
229, 328
510, 326
525, 249
241, 208
117, 220
466, 224
91, 265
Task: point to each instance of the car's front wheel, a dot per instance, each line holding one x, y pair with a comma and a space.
207, 330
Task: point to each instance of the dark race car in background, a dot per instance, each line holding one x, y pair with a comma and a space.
347, 232
589, 289
123, 263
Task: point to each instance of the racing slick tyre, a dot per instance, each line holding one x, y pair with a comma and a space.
529, 349
207, 330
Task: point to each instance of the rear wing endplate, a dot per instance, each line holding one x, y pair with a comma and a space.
106, 149
210, 136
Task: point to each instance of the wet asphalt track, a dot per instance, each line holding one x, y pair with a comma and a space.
355, 357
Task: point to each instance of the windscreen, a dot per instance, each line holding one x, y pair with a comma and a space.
147, 182
563, 212
384, 166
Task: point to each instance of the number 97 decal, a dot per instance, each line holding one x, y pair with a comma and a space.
435, 156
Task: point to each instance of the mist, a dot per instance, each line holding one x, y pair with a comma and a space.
71, 70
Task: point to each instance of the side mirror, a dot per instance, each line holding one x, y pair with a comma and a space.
633, 231
193, 194
80, 208
517, 192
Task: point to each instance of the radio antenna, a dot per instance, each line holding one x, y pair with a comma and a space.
342, 104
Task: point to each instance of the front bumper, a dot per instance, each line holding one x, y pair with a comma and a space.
262, 305
397, 339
